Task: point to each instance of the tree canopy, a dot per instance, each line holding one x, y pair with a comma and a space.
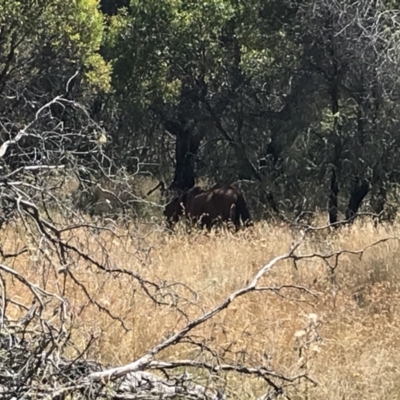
295, 101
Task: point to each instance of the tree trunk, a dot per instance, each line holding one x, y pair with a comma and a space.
336, 153
333, 195
358, 193
185, 154
184, 124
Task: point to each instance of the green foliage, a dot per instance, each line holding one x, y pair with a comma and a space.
242, 89
158, 45
263, 30
68, 30
161, 43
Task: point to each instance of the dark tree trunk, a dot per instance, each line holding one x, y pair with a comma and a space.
337, 149
186, 145
336, 143
358, 193
380, 176
184, 126
185, 155
333, 198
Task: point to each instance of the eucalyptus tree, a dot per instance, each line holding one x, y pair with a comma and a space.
48, 48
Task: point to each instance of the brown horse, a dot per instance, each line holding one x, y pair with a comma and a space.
178, 205
205, 207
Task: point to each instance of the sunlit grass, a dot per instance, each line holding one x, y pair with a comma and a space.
357, 303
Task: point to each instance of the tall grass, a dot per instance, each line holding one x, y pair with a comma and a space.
355, 351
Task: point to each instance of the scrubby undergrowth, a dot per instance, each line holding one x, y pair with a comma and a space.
337, 323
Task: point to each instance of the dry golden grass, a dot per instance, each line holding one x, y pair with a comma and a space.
358, 308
